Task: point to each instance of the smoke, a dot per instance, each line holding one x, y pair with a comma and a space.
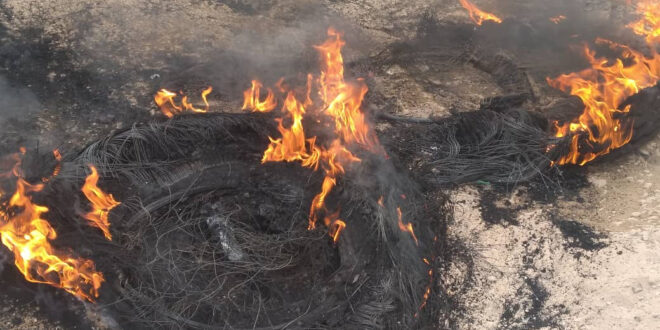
16, 102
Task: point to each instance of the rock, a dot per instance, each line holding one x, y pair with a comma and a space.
636, 214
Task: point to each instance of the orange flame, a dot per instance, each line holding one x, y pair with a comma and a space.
28, 235
603, 127
406, 227
169, 107
649, 25
336, 226
477, 15
339, 101
58, 166
101, 202
342, 101
557, 19
251, 98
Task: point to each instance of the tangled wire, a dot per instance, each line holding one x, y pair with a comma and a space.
208, 237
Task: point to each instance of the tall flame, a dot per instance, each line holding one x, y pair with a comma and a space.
338, 101
101, 202
24, 231
477, 15
168, 106
603, 126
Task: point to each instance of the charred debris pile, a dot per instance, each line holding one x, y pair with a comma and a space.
297, 213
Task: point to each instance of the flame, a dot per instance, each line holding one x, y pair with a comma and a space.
24, 231
101, 202
251, 98
603, 126
557, 19
649, 25
406, 227
477, 15
58, 166
336, 226
342, 101
169, 107
338, 101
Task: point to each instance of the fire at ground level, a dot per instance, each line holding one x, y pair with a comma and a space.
561, 254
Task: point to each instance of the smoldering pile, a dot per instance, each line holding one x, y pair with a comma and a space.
511, 138
208, 237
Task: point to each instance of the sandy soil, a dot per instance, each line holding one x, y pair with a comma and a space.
588, 259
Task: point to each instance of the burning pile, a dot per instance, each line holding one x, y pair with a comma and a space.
205, 236
216, 228
603, 88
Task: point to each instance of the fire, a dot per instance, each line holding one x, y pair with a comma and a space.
58, 166
101, 202
251, 98
603, 87
406, 227
342, 101
25, 232
169, 107
557, 19
336, 226
649, 25
477, 15
336, 100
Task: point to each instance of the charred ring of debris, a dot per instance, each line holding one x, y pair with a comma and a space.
206, 236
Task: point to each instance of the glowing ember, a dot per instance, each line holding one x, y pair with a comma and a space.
557, 19
337, 100
406, 227
28, 235
477, 15
603, 127
169, 107
101, 202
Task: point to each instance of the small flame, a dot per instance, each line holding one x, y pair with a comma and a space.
477, 15
101, 202
168, 106
336, 226
28, 235
251, 98
58, 166
557, 19
406, 227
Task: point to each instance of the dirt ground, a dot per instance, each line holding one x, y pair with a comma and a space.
588, 257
